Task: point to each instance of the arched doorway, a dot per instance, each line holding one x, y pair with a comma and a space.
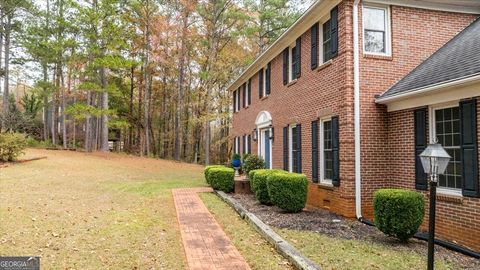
264, 138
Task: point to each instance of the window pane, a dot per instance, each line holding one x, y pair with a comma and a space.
327, 47
374, 19
374, 41
447, 125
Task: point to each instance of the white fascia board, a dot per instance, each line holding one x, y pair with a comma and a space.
435, 95
465, 6
313, 14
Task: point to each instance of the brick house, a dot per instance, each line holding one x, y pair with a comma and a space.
348, 96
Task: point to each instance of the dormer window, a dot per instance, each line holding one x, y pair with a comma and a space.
376, 30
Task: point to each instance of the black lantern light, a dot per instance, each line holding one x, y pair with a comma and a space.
254, 134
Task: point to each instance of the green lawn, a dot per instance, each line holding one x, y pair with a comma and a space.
334, 253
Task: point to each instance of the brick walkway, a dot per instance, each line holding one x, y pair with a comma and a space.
206, 244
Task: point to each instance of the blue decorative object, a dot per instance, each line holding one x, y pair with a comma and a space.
236, 163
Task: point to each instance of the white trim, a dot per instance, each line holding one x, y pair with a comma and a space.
432, 132
450, 191
290, 61
320, 38
431, 5
430, 88
356, 101
260, 144
290, 147
322, 149
265, 122
388, 29
439, 96
317, 10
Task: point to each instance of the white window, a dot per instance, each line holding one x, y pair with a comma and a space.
326, 42
264, 76
294, 149
326, 151
445, 127
246, 144
238, 100
376, 30
237, 145
292, 66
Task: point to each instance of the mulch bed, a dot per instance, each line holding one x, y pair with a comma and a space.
325, 222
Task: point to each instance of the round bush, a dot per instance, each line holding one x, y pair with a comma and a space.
258, 184
207, 169
287, 190
398, 212
222, 178
12, 145
253, 162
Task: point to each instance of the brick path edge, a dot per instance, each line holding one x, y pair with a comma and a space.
290, 253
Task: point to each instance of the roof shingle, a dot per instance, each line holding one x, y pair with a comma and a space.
459, 58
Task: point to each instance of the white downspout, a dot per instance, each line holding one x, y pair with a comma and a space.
356, 101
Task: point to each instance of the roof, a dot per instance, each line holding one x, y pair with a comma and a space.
458, 59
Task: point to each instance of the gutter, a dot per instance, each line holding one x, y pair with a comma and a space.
430, 88
356, 101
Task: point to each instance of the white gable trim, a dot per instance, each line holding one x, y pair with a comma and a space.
464, 6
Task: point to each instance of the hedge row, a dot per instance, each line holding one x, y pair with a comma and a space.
220, 177
285, 190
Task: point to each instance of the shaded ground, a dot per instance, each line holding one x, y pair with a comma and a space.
317, 223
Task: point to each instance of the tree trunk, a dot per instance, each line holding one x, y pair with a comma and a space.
180, 95
104, 120
6, 90
45, 103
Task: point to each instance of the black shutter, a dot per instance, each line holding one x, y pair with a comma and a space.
249, 138
249, 90
244, 95
260, 83
314, 46
420, 130
315, 151
334, 31
336, 151
299, 148
285, 66
298, 53
235, 101
235, 145
468, 120
285, 148
244, 149
268, 76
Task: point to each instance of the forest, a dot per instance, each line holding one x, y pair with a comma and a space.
148, 76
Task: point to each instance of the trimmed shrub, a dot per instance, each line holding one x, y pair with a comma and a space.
258, 184
207, 168
253, 162
222, 178
398, 212
287, 190
12, 145
251, 176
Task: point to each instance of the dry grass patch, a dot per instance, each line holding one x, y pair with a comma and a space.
94, 211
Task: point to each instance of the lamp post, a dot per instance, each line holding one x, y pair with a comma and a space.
434, 161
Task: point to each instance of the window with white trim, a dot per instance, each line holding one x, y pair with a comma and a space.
376, 30
292, 62
238, 100
447, 131
326, 151
237, 145
246, 144
326, 51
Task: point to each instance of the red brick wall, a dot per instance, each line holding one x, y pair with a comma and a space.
416, 34
457, 218
326, 90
